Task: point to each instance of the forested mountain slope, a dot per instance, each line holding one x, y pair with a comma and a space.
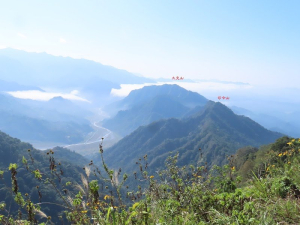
12, 151
136, 97
215, 129
160, 107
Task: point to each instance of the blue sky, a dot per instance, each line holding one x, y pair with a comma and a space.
256, 42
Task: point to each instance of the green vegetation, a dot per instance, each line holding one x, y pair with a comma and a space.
27, 171
160, 107
257, 186
214, 128
152, 103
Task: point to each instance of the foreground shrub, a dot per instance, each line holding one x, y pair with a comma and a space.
176, 195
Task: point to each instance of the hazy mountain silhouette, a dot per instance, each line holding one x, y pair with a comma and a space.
160, 107
94, 80
187, 98
6, 86
42, 121
149, 104
285, 124
183, 96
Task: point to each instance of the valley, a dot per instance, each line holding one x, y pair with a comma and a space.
91, 145
149, 112
154, 127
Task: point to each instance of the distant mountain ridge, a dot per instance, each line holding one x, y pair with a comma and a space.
93, 80
6, 86
271, 122
43, 121
215, 129
40, 68
152, 103
183, 96
160, 107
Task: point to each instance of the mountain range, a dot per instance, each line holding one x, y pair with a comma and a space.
285, 124
215, 129
58, 120
49, 121
92, 79
6, 86
150, 104
136, 97
13, 151
169, 108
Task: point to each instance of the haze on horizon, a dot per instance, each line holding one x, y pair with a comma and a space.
253, 42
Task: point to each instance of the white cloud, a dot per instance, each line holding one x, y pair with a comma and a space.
127, 88
74, 92
44, 96
62, 40
21, 35
3, 46
200, 87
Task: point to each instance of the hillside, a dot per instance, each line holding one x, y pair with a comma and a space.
47, 121
287, 124
250, 159
268, 194
136, 97
14, 86
59, 109
12, 150
43, 69
64, 154
215, 129
151, 103
92, 79
31, 129
159, 107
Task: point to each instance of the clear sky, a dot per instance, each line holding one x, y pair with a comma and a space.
256, 42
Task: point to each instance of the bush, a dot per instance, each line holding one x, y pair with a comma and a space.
176, 195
